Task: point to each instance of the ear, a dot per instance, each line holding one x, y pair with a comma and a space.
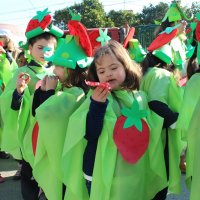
30, 47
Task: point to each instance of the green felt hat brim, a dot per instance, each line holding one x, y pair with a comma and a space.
164, 53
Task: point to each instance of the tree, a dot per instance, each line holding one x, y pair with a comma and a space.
151, 13
61, 17
120, 17
92, 15
195, 8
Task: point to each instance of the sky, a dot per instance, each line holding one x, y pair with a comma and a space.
19, 12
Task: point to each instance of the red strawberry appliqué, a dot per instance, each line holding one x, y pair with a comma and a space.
131, 133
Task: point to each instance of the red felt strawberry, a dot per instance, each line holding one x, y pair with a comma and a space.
162, 39
129, 37
76, 28
197, 32
41, 21
35, 137
131, 133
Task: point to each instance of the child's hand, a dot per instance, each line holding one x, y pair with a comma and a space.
43, 84
100, 94
22, 80
51, 82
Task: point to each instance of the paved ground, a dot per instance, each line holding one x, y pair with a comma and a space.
10, 189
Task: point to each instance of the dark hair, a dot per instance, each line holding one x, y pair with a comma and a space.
76, 77
163, 26
45, 35
131, 68
151, 61
193, 66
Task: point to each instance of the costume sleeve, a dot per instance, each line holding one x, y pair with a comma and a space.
16, 100
94, 122
40, 97
164, 111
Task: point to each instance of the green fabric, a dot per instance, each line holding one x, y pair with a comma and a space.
190, 100
52, 117
193, 145
160, 85
69, 53
136, 52
103, 38
113, 178
16, 123
5, 69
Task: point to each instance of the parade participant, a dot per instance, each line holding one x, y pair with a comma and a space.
54, 107
164, 99
101, 160
17, 97
189, 104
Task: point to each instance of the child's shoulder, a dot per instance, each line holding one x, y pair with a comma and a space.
159, 72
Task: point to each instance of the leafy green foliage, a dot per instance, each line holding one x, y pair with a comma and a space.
93, 14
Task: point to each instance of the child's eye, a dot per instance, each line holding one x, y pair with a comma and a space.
101, 72
113, 68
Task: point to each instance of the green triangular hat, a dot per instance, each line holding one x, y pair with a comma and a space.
136, 52
175, 13
69, 53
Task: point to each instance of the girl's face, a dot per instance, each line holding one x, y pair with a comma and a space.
36, 50
110, 70
61, 73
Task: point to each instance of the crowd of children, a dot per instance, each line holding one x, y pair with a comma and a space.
89, 118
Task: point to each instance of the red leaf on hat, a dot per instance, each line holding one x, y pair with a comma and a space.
78, 29
162, 39
93, 35
131, 143
197, 32
35, 137
129, 36
34, 23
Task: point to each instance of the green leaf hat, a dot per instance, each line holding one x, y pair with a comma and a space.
74, 49
175, 13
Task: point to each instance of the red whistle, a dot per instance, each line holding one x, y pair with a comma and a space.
95, 84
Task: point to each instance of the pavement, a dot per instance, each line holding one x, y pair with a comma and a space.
10, 189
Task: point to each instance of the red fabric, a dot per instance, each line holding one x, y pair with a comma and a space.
197, 32
1, 43
129, 37
131, 143
162, 39
35, 137
93, 35
78, 29
34, 23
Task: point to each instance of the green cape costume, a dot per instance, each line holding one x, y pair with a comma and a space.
52, 116
16, 123
193, 144
188, 107
113, 178
160, 85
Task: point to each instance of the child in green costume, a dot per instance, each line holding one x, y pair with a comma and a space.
53, 114
186, 121
94, 164
16, 101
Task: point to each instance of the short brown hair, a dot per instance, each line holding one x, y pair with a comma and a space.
131, 68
